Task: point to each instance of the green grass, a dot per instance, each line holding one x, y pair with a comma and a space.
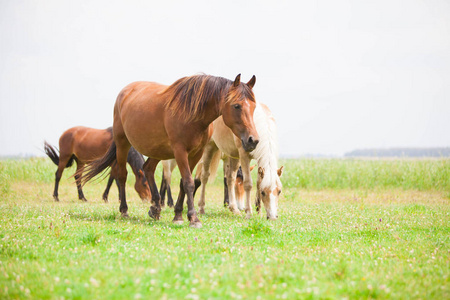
407, 174
376, 238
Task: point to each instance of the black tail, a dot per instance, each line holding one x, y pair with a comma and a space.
98, 166
51, 152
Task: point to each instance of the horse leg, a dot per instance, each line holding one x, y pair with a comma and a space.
185, 165
178, 218
80, 167
163, 189
112, 177
122, 148
172, 165
226, 197
169, 195
58, 175
63, 160
108, 187
258, 195
233, 166
149, 170
248, 183
205, 173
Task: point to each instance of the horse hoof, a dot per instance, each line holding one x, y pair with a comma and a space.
201, 211
195, 224
56, 198
178, 222
83, 199
248, 216
235, 211
125, 215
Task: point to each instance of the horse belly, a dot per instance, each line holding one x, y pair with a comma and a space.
161, 151
92, 145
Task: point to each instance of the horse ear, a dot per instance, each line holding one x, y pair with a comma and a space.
252, 81
261, 172
252, 167
280, 171
141, 173
237, 80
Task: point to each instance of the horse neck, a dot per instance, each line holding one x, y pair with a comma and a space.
266, 152
213, 110
136, 160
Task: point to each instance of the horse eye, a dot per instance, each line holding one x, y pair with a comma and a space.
279, 192
263, 193
237, 106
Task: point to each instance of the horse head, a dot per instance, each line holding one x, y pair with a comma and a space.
141, 186
237, 112
270, 189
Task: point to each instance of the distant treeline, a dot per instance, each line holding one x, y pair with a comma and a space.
400, 152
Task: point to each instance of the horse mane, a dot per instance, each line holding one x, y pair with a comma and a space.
135, 159
266, 152
188, 96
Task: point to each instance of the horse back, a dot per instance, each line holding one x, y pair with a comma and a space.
85, 143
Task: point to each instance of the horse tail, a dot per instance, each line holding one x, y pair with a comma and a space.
100, 165
214, 164
52, 153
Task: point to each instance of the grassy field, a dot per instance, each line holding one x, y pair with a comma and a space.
347, 229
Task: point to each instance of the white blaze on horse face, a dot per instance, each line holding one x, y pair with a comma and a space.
269, 197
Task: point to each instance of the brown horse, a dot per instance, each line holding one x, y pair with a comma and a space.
83, 145
165, 122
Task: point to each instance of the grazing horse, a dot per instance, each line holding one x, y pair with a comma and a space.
266, 154
83, 145
166, 122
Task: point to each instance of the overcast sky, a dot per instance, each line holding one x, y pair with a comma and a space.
338, 75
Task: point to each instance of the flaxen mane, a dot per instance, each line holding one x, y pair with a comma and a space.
188, 96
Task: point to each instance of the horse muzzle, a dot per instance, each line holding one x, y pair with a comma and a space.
250, 144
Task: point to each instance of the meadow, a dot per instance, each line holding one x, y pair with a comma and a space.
347, 229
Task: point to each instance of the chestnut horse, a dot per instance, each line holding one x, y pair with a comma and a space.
83, 145
266, 154
165, 122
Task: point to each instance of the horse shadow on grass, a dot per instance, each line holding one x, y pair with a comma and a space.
114, 217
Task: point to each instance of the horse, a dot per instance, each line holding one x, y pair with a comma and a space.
83, 145
165, 122
266, 154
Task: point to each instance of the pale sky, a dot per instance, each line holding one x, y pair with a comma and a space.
337, 75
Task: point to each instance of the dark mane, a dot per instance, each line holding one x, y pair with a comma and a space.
135, 159
188, 96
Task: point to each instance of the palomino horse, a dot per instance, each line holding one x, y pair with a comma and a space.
266, 154
83, 145
165, 122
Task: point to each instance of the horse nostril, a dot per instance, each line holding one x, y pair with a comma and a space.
252, 141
